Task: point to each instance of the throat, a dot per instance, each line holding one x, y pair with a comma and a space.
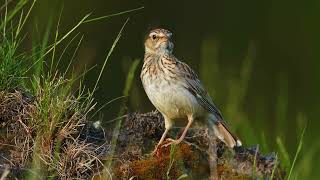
148, 57
158, 53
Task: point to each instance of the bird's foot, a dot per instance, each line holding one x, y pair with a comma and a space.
154, 152
168, 142
157, 150
171, 141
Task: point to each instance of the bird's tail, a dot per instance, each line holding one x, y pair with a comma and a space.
224, 134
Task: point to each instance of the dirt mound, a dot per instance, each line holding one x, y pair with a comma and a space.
26, 148
190, 159
78, 149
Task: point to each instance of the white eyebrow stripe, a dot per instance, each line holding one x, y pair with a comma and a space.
161, 34
153, 33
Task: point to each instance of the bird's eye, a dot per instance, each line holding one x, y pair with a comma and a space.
154, 37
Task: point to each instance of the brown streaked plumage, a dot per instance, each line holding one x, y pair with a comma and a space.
176, 91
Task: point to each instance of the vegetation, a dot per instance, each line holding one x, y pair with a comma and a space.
237, 88
44, 108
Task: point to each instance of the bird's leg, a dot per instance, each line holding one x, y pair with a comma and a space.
177, 141
168, 125
161, 141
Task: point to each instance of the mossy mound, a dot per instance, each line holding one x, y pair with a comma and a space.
189, 159
77, 149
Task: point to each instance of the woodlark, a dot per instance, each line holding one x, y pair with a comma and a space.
176, 91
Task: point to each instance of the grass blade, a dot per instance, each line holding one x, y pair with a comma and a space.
112, 15
172, 152
117, 127
297, 152
109, 53
284, 153
51, 47
130, 77
107, 103
26, 17
274, 168
254, 169
16, 9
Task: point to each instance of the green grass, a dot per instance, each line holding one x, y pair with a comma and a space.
274, 168
61, 101
37, 72
232, 91
254, 169
172, 153
122, 112
297, 152
284, 153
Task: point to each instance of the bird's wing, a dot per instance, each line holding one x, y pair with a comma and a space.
194, 86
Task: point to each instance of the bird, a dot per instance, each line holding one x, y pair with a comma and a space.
176, 91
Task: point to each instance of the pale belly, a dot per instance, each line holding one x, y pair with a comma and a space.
173, 100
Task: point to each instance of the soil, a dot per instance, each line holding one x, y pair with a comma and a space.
138, 135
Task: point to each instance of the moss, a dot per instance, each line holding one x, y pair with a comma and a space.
157, 167
140, 132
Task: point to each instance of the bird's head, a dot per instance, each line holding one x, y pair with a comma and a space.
159, 41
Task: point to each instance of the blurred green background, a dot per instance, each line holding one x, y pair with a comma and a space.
258, 59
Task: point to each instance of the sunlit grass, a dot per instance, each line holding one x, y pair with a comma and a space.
274, 168
172, 153
297, 153
38, 73
60, 107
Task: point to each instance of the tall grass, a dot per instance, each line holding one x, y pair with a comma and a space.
297, 153
58, 111
13, 65
231, 91
116, 129
37, 72
172, 153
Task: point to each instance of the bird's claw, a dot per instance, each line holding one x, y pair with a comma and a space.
171, 141
154, 152
168, 141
